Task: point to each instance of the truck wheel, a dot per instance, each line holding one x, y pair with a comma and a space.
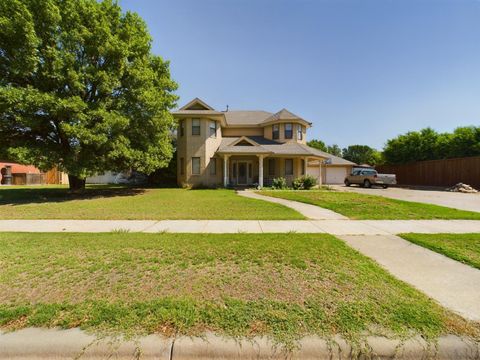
367, 184
347, 183
385, 186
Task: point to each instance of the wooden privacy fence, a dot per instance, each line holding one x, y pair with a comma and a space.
445, 172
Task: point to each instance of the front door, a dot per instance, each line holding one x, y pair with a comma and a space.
242, 173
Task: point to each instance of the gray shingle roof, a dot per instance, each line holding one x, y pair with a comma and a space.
247, 117
284, 114
332, 159
266, 146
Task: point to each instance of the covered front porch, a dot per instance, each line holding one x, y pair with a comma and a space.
261, 169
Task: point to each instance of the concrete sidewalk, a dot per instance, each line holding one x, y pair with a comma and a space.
335, 227
34, 343
453, 284
309, 211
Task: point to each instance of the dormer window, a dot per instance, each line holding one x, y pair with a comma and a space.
275, 132
213, 129
299, 132
195, 126
288, 131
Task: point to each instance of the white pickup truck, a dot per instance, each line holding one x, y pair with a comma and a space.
369, 177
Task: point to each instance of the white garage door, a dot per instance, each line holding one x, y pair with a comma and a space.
335, 175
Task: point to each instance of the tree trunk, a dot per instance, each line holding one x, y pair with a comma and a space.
76, 184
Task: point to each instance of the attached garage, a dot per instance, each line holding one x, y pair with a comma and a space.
334, 170
335, 174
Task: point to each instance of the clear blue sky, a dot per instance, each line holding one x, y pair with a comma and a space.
362, 71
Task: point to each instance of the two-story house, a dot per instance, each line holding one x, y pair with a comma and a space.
242, 148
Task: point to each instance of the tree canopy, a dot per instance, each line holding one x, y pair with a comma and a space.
320, 145
80, 89
362, 154
427, 144
317, 144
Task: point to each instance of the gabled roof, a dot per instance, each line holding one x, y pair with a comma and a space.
284, 115
197, 104
265, 146
238, 118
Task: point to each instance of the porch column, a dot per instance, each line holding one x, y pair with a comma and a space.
320, 173
225, 170
260, 171
305, 161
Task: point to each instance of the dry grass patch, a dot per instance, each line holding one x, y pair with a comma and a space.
281, 285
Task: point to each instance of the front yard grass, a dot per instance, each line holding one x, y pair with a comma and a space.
123, 203
462, 247
371, 207
280, 285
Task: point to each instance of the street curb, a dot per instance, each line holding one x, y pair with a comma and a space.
36, 344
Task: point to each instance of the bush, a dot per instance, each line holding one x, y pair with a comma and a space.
305, 182
279, 183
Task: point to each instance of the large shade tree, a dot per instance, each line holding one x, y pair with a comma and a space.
80, 89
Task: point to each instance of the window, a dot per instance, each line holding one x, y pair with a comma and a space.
234, 170
271, 167
303, 167
275, 132
288, 166
195, 166
182, 166
299, 132
195, 126
288, 131
250, 173
213, 129
181, 126
213, 166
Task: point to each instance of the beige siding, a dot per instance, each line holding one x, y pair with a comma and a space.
202, 146
248, 131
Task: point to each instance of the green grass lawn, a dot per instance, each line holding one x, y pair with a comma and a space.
121, 203
461, 247
371, 207
280, 285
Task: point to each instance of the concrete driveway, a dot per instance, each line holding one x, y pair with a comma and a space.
460, 201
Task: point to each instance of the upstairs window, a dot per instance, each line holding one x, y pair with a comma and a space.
288, 131
213, 129
181, 126
275, 132
288, 166
299, 132
195, 126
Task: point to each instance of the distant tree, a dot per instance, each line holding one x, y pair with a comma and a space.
427, 144
317, 144
412, 146
334, 150
362, 154
465, 141
81, 90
